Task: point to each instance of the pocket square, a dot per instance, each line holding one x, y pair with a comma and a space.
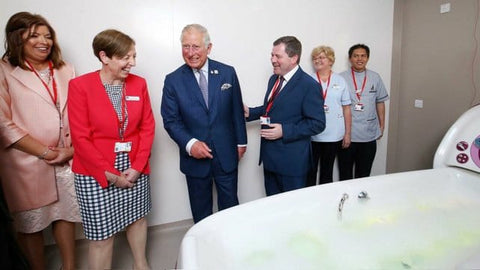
226, 86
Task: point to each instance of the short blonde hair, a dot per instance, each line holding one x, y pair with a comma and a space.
328, 51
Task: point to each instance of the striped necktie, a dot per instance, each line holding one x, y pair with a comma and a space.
202, 82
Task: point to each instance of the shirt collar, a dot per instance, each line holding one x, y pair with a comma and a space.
360, 72
204, 69
290, 74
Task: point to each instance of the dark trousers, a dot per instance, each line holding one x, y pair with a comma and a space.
11, 256
359, 155
277, 183
200, 191
323, 153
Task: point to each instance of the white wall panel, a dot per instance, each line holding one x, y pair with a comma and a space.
242, 33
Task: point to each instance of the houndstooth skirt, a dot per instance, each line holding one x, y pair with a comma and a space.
107, 211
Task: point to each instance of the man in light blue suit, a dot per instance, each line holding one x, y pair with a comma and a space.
292, 111
203, 113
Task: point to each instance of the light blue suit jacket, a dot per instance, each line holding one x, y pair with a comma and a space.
186, 116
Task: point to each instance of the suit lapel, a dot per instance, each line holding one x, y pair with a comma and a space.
214, 81
287, 88
62, 76
31, 81
192, 86
100, 94
270, 84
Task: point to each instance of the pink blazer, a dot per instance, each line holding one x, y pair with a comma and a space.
26, 108
94, 126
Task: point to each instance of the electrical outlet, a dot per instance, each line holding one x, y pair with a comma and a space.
444, 8
418, 103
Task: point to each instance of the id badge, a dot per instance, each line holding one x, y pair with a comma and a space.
123, 147
264, 120
325, 108
132, 98
359, 107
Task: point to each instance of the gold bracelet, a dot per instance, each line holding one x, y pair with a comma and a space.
44, 154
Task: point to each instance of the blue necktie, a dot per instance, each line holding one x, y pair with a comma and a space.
202, 82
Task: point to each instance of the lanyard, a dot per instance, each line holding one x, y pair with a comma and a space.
53, 96
275, 90
122, 121
359, 95
328, 84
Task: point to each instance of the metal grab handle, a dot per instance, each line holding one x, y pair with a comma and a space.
342, 201
363, 195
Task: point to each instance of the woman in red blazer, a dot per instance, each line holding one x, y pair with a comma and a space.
112, 128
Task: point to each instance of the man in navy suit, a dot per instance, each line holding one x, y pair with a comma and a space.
292, 112
203, 113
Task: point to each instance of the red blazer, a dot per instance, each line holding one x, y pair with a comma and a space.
94, 126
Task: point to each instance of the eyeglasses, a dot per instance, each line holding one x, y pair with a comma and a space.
319, 58
194, 48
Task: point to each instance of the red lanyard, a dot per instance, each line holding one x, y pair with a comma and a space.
275, 90
359, 95
53, 96
121, 122
328, 84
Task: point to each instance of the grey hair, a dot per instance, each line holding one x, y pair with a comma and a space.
199, 28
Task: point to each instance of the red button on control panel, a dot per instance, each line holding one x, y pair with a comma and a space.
462, 146
462, 158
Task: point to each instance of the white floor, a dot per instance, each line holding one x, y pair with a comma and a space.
162, 249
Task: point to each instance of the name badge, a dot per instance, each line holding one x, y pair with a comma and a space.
359, 107
123, 147
264, 120
132, 98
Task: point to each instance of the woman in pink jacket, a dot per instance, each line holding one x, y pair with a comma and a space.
35, 138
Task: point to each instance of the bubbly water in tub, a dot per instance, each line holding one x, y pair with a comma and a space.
415, 220
418, 223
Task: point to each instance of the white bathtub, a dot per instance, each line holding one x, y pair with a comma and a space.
417, 220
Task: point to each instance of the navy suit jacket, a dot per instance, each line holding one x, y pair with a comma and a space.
299, 108
221, 126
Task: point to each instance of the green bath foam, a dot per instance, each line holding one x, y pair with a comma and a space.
258, 258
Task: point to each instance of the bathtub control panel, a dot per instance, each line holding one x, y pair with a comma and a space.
462, 157
463, 147
460, 147
475, 151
